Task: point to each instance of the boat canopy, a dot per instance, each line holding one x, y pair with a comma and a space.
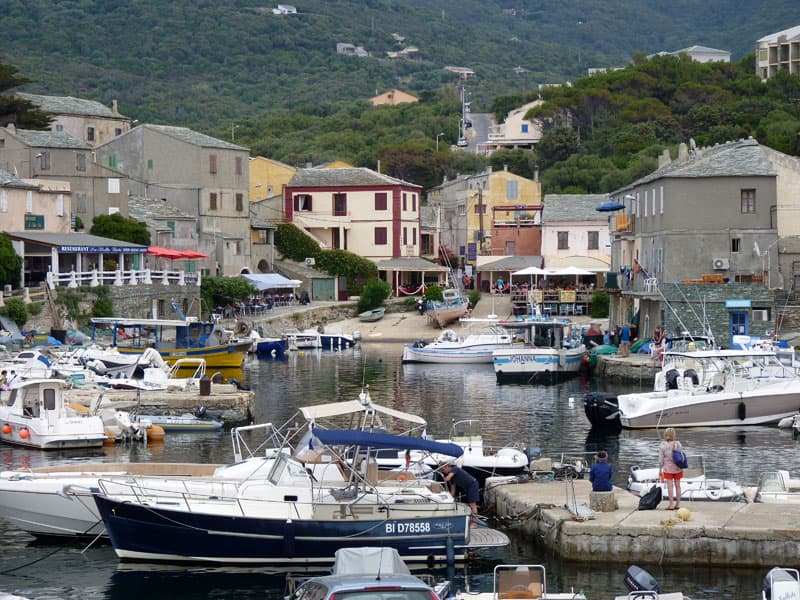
335, 409
356, 437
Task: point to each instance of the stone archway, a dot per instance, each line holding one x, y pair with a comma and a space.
244, 271
263, 266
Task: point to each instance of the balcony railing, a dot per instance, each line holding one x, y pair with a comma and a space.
75, 279
624, 223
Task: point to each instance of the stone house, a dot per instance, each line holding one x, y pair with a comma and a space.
87, 120
574, 233
96, 189
706, 223
196, 173
34, 205
393, 98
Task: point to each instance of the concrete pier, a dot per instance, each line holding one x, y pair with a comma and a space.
236, 406
717, 533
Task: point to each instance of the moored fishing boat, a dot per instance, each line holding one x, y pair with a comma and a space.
175, 339
450, 308
370, 316
519, 581
475, 347
302, 511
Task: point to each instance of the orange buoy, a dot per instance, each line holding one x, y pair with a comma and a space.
6, 429
24, 433
155, 433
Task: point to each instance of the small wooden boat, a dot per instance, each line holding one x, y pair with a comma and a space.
370, 316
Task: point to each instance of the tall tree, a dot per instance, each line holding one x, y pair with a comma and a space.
10, 263
118, 227
22, 113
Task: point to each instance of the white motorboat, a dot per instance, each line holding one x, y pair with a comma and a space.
184, 374
449, 347
33, 413
695, 486
777, 487
781, 583
479, 460
309, 339
549, 354
519, 581
714, 388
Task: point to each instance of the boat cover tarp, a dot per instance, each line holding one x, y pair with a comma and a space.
369, 560
335, 409
269, 281
356, 437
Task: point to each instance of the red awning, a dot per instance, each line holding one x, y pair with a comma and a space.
164, 252
192, 254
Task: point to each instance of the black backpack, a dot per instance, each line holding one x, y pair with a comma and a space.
651, 499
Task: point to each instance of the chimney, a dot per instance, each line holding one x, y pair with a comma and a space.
664, 158
11, 128
114, 107
683, 154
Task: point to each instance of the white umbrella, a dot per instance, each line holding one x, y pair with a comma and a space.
571, 271
531, 271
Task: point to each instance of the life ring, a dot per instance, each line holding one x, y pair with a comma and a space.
405, 476
714, 494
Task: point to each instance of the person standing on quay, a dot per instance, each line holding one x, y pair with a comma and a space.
669, 471
625, 340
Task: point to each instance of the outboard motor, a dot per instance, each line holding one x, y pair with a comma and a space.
639, 580
671, 378
200, 412
691, 374
781, 583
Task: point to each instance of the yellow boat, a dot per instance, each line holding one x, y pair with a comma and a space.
174, 339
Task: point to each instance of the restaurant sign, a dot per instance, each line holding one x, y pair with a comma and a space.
104, 249
34, 221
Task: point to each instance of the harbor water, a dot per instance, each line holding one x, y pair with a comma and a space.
550, 418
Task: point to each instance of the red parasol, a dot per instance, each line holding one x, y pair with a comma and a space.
164, 252
192, 254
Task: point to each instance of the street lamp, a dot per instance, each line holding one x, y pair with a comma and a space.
234, 127
438, 135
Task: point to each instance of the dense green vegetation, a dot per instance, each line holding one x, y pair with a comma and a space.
373, 294
10, 263
118, 227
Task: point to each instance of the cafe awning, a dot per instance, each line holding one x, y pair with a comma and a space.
269, 281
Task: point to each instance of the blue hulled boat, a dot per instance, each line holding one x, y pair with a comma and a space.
302, 510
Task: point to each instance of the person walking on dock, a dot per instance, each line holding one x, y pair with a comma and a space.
669, 471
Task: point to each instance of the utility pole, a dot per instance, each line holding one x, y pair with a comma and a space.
480, 217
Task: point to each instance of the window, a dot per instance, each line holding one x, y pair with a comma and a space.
414, 236
594, 240
259, 237
653, 212
44, 161
171, 225
414, 202
60, 205
239, 201
462, 210
340, 205
405, 236
59, 128
29, 202
80, 162
49, 399
3, 201
405, 200
512, 189
524, 128
238, 165
113, 185
80, 202
380, 236
90, 134
235, 248
645, 204
748, 201
380, 200
112, 161
117, 131
563, 240
212, 164
302, 203
149, 164
736, 245
212, 201
662, 199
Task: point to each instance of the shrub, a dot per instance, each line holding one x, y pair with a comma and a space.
433, 292
373, 294
103, 307
599, 308
293, 243
35, 308
16, 310
474, 298
70, 300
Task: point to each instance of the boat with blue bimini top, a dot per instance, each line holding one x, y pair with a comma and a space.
309, 504
549, 354
175, 339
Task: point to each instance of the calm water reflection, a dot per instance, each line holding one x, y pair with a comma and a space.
550, 418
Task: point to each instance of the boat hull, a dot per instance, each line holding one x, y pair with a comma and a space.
424, 354
537, 365
158, 534
769, 404
225, 356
